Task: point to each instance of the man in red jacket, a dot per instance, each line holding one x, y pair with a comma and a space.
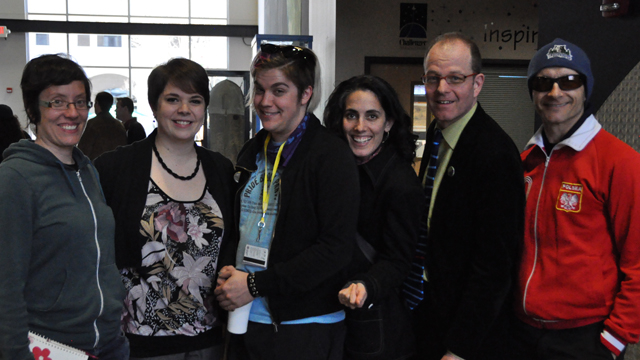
578, 294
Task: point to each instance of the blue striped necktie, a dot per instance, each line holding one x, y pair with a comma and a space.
413, 287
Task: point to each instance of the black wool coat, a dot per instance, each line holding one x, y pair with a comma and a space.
315, 230
476, 228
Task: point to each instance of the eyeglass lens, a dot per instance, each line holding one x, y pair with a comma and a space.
59, 104
569, 82
80, 104
434, 80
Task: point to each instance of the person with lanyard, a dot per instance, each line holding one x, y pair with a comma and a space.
173, 205
297, 206
58, 277
366, 112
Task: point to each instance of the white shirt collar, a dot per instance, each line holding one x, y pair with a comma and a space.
578, 141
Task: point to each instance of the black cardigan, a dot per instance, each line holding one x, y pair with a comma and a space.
391, 205
315, 231
124, 175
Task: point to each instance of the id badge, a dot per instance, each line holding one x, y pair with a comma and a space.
255, 255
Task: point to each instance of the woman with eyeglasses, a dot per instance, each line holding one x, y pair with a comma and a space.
366, 113
58, 277
173, 205
297, 205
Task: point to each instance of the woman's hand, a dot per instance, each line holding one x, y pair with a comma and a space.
354, 296
231, 290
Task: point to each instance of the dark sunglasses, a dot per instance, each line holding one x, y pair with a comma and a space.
288, 51
569, 82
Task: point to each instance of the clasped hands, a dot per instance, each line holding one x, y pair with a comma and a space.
231, 288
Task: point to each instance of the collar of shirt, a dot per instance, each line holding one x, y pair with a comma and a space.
451, 136
452, 133
578, 141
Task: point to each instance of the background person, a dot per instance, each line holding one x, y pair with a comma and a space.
298, 205
10, 130
173, 203
474, 224
366, 112
58, 276
124, 110
578, 293
104, 132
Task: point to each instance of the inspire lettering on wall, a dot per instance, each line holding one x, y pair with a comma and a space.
526, 36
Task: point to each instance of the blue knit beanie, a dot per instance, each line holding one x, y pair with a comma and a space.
561, 53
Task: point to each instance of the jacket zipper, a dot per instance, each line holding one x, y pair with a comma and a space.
273, 321
238, 197
95, 227
273, 236
535, 233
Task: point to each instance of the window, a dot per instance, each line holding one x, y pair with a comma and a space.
84, 40
109, 41
42, 39
120, 64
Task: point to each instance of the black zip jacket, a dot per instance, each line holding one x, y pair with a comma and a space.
315, 230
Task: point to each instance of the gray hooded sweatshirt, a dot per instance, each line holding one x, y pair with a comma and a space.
58, 275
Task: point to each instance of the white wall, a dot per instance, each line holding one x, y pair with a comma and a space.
322, 26
13, 57
241, 12
371, 28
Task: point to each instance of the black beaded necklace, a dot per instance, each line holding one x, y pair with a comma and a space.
164, 166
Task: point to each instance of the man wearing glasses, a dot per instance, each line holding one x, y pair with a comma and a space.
578, 294
473, 183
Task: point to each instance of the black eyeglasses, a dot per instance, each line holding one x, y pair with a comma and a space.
434, 80
61, 105
288, 51
569, 82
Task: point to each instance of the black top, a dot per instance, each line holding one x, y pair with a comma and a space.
135, 131
391, 205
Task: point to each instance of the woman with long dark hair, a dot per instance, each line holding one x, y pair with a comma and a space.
366, 113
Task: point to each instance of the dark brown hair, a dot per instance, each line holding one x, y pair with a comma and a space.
183, 73
400, 134
127, 102
43, 72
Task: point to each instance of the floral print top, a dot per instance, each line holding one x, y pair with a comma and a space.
171, 293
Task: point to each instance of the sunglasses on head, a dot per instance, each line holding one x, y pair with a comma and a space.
288, 51
569, 82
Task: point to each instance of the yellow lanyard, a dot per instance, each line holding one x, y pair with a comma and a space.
266, 186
